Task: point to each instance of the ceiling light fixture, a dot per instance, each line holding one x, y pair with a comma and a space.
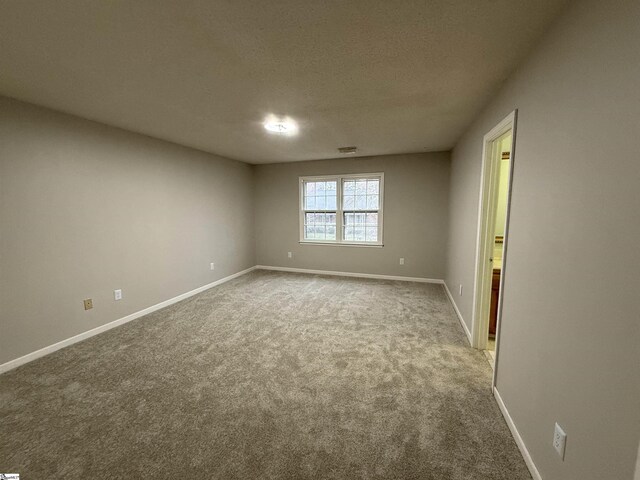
280, 126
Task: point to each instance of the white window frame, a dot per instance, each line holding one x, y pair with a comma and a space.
339, 179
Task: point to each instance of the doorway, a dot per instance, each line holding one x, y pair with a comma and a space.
492, 242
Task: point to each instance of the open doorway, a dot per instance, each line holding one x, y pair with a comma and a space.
495, 195
503, 152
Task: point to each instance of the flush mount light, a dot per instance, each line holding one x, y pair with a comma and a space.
276, 127
280, 126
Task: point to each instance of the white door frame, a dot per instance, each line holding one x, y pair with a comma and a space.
485, 241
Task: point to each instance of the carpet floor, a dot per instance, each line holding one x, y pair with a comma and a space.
268, 376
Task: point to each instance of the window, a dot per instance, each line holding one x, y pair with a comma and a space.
342, 209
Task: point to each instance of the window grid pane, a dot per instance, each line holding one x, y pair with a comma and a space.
320, 195
361, 194
371, 234
320, 225
360, 226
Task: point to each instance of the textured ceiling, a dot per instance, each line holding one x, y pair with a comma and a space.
387, 76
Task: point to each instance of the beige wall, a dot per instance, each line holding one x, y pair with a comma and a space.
415, 216
86, 209
570, 339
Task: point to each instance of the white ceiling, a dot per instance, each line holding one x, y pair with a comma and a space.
389, 76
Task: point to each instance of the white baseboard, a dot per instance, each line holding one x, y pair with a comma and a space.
351, 274
516, 436
108, 326
455, 307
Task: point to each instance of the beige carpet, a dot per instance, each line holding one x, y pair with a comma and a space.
271, 375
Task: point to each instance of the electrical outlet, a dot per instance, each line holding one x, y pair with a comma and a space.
117, 294
401, 261
460, 289
88, 304
212, 266
290, 254
559, 440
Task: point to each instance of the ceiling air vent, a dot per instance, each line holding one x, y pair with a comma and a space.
347, 149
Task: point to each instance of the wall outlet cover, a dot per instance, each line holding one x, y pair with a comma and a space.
559, 440
117, 294
88, 304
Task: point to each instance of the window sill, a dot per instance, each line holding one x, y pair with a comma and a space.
342, 244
